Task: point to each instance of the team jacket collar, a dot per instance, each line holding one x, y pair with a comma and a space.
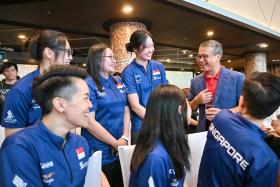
55, 139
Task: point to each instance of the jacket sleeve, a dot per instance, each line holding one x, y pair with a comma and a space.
18, 167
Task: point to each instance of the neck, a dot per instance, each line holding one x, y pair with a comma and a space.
213, 72
255, 121
44, 66
104, 74
10, 81
142, 62
56, 125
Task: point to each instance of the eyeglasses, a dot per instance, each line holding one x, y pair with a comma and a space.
68, 51
111, 57
203, 56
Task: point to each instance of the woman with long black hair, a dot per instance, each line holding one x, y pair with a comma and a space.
161, 155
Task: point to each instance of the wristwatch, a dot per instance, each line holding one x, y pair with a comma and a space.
125, 138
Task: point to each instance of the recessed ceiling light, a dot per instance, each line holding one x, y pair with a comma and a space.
262, 45
5, 60
276, 60
229, 60
21, 36
168, 60
190, 55
127, 9
210, 33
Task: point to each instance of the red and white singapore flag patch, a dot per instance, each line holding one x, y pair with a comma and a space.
80, 153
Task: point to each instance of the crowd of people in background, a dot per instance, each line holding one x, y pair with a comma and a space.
41, 110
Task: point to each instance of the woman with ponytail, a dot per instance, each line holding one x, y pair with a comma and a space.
20, 110
141, 77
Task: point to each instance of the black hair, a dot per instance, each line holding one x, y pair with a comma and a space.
274, 143
7, 65
93, 63
57, 81
138, 39
261, 92
46, 38
163, 122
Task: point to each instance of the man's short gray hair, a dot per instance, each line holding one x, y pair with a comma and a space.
215, 45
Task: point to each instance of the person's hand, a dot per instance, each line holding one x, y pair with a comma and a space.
204, 97
211, 113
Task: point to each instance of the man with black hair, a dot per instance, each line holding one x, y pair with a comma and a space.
235, 153
10, 72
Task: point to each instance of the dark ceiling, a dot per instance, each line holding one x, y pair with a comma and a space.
177, 30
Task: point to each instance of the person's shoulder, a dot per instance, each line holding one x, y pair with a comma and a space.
25, 83
156, 63
129, 67
198, 77
233, 73
224, 117
22, 138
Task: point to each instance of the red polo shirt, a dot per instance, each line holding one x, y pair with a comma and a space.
211, 82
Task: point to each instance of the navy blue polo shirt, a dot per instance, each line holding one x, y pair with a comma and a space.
138, 80
235, 154
157, 168
109, 105
20, 109
37, 157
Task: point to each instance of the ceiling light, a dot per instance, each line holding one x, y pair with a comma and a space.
5, 60
127, 9
168, 60
182, 69
210, 33
276, 60
84, 65
21, 36
190, 55
262, 45
198, 72
229, 60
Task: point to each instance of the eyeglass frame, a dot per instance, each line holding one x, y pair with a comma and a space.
110, 56
204, 56
66, 50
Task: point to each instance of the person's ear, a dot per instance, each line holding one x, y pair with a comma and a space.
242, 104
58, 104
180, 110
48, 53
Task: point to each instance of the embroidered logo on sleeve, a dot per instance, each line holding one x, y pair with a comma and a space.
18, 182
10, 117
80, 153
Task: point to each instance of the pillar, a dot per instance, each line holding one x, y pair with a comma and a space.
255, 62
120, 33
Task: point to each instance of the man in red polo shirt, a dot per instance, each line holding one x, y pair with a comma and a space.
216, 88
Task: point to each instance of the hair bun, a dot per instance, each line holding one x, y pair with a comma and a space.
129, 47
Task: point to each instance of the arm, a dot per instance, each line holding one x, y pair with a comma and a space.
15, 112
133, 101
126, 121
104, 180
98, 131
23, 170
203, 97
